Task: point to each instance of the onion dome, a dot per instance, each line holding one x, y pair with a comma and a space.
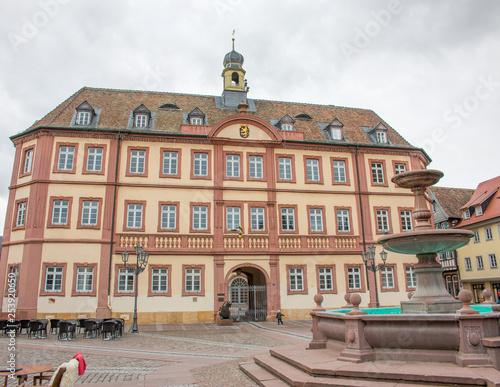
233, 59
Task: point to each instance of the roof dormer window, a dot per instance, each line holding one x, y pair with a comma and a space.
377, 134
142, 117
381, 137
479, 210
84, 114
196, 117
286, 124
466, 214
335, 130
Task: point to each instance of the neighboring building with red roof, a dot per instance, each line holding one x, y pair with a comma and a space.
478, 261
263, 203
446, 205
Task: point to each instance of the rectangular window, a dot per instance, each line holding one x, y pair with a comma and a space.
312, 169
343, 221
336, 133
193, 280
468, 263
285, 168
387, 275
287, 219
200, 164
256, 167
66, 157
233, 219
381, 137
53, 279
488, 234
382, 220
296, 279
478, 210
493, 261
316, 219
399, 168
60, 212
377, 173
200, 218
170, 162
287, 127
21, 214
83, 118
89, 213
137, 161
232, 166
159, 280
85, 279
168, 217
325, 278
257, 219
476, 237
196, 121
406, 224
126, 279
134, 216
479, 262
411, 278
94, 159
354, 278
339, 175
28, 158
13, 276
141, 121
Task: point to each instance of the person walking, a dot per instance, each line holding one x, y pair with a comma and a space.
279, 315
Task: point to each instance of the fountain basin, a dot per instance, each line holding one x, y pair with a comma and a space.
395, 310
425, 241
417, 178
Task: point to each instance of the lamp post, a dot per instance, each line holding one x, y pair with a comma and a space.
140, 265
369, 261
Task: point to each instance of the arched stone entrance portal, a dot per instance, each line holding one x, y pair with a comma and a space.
247, 292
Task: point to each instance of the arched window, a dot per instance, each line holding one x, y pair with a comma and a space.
235, 79
238, 289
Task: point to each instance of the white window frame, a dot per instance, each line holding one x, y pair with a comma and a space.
377, 173
170, 163
256, 167
28, 159
90, 213
343, 224
325, 277
94, 159
478, 210
141, 120
381, 137
21, 214
354, 278
287, 127
13, 272
126, 280
336, 133
382, 220
196, 121
83, 118
66, 158
135, 215
168, 217
411, 278
312, 169
493, 261
137, 161
84, 279
387, 277
285, 168
200, 218
296, 279
192, 280
233, 166
339, 172
54, 279
60, 210
406, 221
476, 238
468, 263
488, 234
399, 168
233, 218
257, 219
159, 280
479, 262
316, 219
200, 164
287, 219
466, 214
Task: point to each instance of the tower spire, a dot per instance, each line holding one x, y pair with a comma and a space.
233, 38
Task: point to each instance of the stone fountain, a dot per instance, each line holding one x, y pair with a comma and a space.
432, 329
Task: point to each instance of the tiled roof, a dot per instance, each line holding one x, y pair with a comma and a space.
452, 199
116, 106
488, 189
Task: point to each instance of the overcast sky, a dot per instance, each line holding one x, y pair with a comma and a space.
431, 69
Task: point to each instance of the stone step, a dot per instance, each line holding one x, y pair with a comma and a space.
259, 375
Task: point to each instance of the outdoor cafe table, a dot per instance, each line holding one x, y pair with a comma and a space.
25, 371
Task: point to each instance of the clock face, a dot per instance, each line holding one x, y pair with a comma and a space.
244, 131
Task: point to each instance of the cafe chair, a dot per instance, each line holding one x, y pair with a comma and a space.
24, 324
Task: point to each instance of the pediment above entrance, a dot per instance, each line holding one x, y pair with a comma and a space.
245, 128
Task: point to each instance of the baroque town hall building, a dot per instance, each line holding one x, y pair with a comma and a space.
306, 186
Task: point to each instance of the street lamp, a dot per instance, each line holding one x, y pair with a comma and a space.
369, 261
140, 265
